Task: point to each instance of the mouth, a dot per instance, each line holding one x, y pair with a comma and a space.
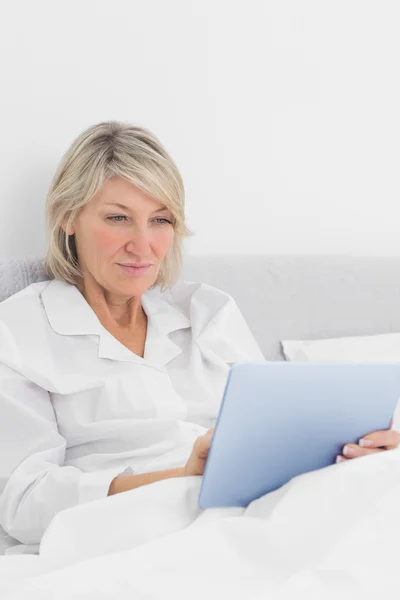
134, 269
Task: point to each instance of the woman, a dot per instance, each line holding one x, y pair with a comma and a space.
111, 373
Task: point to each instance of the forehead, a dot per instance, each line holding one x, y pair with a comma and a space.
119, 191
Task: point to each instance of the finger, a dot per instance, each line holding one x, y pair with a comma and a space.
355, 451
340, 458
388, 438
203, 445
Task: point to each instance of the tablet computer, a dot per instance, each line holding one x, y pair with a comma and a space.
279, 419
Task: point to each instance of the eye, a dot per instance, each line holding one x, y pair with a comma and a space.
158, 219
116, 218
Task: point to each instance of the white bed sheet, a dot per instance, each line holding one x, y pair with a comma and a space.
328, 534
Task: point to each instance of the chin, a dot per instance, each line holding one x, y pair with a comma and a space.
133, 288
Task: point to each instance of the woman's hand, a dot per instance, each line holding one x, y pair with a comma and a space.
197, 460
378, 441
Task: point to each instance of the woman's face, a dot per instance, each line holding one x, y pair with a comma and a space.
120, 227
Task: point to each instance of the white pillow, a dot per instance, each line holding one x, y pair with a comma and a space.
368, 348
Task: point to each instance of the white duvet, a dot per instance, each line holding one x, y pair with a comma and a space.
333, 533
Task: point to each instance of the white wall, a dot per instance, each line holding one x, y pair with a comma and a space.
283, 116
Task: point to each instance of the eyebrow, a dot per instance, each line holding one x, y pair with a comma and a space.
124, 207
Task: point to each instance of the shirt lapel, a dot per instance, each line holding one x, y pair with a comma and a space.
163, 319
69, 314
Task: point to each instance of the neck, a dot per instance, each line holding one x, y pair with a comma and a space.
111, 309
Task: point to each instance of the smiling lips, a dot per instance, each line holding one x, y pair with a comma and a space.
134, 269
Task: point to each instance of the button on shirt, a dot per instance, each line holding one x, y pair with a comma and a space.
78, 408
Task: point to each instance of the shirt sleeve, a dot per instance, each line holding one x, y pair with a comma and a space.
227, 335
34, 483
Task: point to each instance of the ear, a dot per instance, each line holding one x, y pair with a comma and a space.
69, 229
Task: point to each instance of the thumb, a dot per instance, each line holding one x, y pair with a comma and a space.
204, 443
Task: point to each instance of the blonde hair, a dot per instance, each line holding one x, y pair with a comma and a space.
100, 152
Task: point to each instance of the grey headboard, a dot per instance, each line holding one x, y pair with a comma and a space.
16, 274
283, 297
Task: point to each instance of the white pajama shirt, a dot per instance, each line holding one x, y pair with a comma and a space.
78, 408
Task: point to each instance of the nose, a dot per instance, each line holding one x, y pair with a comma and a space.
138, 243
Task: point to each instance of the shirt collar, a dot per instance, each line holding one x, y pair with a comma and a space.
69, 314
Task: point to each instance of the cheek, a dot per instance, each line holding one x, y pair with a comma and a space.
106, 241
163, 241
